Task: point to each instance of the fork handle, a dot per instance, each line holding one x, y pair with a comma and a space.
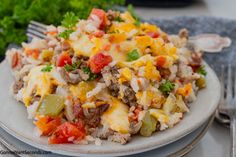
233, 135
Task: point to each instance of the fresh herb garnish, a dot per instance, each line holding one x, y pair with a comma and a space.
201, 70
133, 55
130, 9
137, 23
92, 76
47, 68
70, 20
15, 15
66, 34
69, 67
86, 70
118, 19
166, 87
72, 67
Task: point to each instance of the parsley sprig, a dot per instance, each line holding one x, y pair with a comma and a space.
72, 67
70, 20
166, 87
118, 19
133, 55
130, 9
201, 70
66, 34
15, 15
92, 76
47, 68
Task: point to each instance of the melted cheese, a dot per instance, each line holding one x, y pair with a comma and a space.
143, 42
83, 46
116, 117
40, 83
151, 72
122, 27
149, 28
81, 90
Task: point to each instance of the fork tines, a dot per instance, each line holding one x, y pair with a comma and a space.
228, 101
36, 29
228, 87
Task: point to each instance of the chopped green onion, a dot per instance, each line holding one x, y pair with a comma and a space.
48, 68
166, 87
137, 23
72, 67
86, 70
133, 55
118, 19
130, 9
92, 76
201, 70
69, 67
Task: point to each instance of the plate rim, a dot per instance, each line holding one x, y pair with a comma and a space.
180, 152
145, 148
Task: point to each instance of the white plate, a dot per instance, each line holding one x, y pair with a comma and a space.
174, 149
13, 119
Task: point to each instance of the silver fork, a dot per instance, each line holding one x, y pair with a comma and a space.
36, 29
228, 101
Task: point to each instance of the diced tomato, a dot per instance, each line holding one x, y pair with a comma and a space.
161, 60
63, 59
48, 124
90, 36
153, 34
99, 61
15, 60
52, 32
107, 47
32, 52
101, 14
98, 34
134, 117
118, 48
194, 67
67, 133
